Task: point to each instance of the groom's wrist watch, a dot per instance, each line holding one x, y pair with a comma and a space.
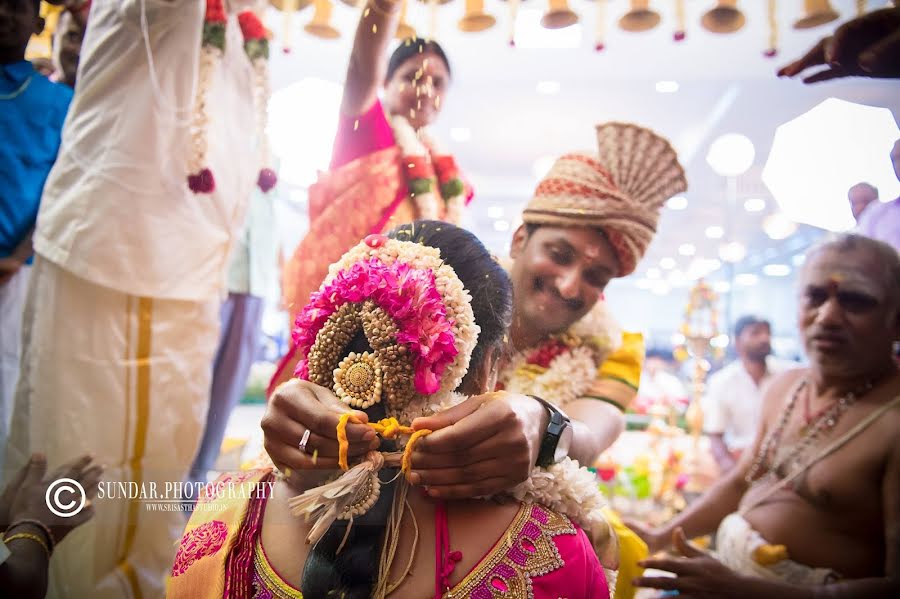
557, 438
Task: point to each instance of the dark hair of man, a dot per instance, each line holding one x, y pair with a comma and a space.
747, 321
410, 48
352, 573
869, 186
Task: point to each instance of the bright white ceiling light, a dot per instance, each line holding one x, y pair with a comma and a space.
721, 286
715, 232
548, 88
460, 134
542, 166
776, 270
501, 225
731, 155
746, 279
687, 249
677, 338
732, 252
653, 273
754, 204
677, 203
495, 211
667, 263
778, 226
643, 284
667, 87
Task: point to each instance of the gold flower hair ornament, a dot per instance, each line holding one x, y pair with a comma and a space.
417, 319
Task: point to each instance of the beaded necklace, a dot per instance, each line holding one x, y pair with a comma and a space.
785, 460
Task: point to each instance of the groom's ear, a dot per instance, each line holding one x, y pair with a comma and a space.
520, 238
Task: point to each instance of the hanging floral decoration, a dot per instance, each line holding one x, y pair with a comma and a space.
200, 177
256, 46
772, 49
680, 27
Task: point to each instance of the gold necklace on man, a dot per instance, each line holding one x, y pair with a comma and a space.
781, 461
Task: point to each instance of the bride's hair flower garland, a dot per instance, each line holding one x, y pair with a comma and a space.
432, 175
256, 45
427, 309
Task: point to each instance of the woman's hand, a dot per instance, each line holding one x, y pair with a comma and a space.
298, 406
484, 445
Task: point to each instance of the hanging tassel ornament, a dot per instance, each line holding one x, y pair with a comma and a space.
680, 27
600, 29
513, 13
772, 49
256, 45
433, 19
289, 8
200, 178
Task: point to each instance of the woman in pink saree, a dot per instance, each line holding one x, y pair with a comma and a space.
403, 327
386, 168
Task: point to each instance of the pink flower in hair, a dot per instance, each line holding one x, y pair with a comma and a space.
408, 295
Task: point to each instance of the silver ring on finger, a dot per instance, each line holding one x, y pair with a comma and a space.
303, 441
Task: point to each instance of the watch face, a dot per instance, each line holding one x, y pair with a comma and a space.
565, 443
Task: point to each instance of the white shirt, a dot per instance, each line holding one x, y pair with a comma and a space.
116, 208
881, 221
732, 406
254, 259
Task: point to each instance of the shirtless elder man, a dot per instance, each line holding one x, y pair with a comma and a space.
814, 509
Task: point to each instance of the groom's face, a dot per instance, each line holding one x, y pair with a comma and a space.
558, 275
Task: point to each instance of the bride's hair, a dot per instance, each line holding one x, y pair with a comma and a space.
353, 571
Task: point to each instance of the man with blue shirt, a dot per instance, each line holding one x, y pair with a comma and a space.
32, 112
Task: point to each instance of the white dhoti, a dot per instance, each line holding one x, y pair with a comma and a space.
12, 303
126, 379
736, 547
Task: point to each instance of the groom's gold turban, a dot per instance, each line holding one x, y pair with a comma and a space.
619, 190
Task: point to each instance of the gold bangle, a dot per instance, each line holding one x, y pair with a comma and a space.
30, 537
51, 540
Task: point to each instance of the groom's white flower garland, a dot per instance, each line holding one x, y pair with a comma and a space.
562, 368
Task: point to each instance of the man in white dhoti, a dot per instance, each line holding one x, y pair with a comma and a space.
816, 499
123, 307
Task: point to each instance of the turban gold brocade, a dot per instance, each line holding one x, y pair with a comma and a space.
619, 190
